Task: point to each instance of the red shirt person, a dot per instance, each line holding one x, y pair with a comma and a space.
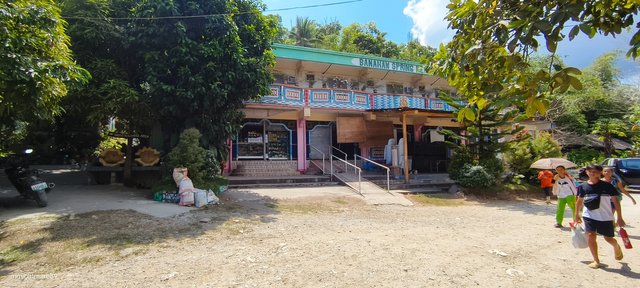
546, 183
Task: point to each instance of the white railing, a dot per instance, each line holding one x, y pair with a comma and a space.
356, 168
314, 148
343, 153
356, 156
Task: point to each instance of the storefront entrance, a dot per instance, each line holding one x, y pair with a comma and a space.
264, 140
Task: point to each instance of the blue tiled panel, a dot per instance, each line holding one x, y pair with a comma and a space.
393, 102
441, 105
284, 95
327, 98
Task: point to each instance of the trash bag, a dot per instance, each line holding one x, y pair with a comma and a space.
200, 197
578, 237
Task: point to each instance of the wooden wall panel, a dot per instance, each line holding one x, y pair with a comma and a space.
351, 129
378, 133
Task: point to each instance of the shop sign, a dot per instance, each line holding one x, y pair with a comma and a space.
388, 65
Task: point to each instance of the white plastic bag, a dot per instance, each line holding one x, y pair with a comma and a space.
200, 197
212, 198
578, 237
185, 186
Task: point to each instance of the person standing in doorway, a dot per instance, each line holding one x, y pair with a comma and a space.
596, 197
565, 189
546, 183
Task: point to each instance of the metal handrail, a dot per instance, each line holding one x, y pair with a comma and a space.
314, 148
356, 168
344, 153
356, 156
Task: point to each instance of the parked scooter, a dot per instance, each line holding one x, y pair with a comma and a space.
25, 180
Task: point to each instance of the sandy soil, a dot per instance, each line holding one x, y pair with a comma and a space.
331, 241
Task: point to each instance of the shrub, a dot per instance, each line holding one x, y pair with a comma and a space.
544, 146
475, 176
585, 156
519, 157
493, 165
202, 164
461, 156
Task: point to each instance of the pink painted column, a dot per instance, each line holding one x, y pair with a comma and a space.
302, 145
417, 132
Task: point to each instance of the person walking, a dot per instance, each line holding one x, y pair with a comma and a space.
610, 177
596, 197
565, 188
546, 183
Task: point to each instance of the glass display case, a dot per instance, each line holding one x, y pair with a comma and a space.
278, 145
264, 140
251, 141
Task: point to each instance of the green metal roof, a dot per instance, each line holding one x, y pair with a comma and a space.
346, 59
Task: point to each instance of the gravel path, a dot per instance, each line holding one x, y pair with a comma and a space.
338, 241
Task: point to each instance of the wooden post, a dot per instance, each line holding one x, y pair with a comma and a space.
128, 163
406, 151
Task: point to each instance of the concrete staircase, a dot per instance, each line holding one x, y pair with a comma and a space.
266, 168
418, 184
372, 193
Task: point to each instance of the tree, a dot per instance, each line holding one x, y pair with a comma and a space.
602, 96
305, 32
36, 64
494, 37
607, 128
199, 71
367, 39
414, 51
329, 35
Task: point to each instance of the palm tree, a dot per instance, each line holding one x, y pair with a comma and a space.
305, 31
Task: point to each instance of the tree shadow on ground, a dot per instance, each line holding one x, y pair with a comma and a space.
108, 235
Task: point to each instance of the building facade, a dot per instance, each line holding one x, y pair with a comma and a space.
327, 102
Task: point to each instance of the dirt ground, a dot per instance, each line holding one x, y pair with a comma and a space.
330, 241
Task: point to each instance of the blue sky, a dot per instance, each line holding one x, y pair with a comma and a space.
423, 19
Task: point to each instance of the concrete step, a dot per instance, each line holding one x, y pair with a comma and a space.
283, 185
276, 181
420, 190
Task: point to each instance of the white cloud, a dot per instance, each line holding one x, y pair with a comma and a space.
429, 26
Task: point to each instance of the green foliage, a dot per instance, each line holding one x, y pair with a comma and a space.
476, 176
355, 38
190, 154
608, 128
601, 97
367, 39
544, 146
12, 135
36, 64
305, 32
492, 165
198, 72
520, 156
461, 156
486, 61
585, 156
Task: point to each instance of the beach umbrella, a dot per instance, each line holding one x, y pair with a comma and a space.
552, 163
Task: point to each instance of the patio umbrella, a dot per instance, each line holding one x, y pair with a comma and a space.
552, 163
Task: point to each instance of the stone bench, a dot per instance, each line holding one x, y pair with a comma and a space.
142, 176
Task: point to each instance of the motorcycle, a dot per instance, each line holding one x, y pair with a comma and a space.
26, 181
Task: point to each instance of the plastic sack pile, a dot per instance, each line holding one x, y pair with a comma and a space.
187, 195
